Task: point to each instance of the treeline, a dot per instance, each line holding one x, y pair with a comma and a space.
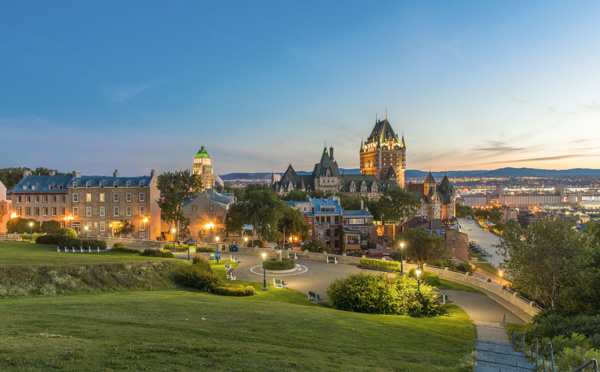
11, 176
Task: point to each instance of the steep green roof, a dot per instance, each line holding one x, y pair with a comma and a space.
202, 153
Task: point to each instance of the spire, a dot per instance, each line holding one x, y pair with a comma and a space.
386, 113
402, 142
429, 178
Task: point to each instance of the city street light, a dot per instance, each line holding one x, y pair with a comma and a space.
86, 230
173, 231
30, 230
264, 271
418, 280
217, 239
500, 273
246, 241
402, 258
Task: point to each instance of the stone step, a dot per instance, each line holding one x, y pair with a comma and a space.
498, 369
494, 345
502, 364
493, 355
497, 350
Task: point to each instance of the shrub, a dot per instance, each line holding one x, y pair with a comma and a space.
284, 264
178, 247
465, 267
316, 245
426, 277
234, 290
196, 276
65, 235
48, 227
150, 252
204, 249
93, 243
21, 225
46, 239
202, 261
28, 237
380, 265
118, 247
379, 294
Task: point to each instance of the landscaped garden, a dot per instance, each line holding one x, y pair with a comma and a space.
184, 329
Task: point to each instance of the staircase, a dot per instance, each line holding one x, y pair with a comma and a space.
496, 353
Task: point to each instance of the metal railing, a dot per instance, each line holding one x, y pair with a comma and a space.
593, 362
548, 345
520, 341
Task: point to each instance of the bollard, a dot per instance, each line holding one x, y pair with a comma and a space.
57, 249
80, 249
89, 249
98, 249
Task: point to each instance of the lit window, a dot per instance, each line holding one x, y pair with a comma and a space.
88, 198
101, 198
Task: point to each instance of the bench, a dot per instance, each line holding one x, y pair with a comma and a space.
279, 283
233, 258
331, 259
314, 296
228, 267
230, 275
443, 298
292, 255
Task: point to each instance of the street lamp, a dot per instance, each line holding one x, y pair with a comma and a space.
418, 280
217, 239
31, 230
402, 258
500, 273
173, 231
264, 271
86, 230
246, 241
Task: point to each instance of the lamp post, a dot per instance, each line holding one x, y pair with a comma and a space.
264, 271
30, 231
500, 273
173, 231
86, 230
418, 280
246, 241
401, 258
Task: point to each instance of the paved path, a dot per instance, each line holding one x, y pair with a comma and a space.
320, 274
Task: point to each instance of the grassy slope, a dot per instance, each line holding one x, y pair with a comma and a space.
20, 253
164, 330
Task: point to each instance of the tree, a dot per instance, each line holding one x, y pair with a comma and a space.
237, 216
463, 211
263, 211
294, 223
127, 227
295, 195
350, 203
177, 188
11, 176
398, 205
316, 245
423, 246
21, 225
544, 260
48, 227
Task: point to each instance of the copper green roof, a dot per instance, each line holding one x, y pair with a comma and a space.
202, 153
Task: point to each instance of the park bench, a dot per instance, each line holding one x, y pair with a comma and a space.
443, 298
331, 259
228, 267
279, 283
233, 258
230, 275
312, 296
292, 255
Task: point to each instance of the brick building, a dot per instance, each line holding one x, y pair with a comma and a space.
207, 213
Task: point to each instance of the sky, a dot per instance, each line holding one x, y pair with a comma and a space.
140, 85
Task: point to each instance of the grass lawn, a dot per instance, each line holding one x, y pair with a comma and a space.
446, 284
21, 253
187, 330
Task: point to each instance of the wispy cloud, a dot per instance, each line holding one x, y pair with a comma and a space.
594, 105
497, 146
124, 92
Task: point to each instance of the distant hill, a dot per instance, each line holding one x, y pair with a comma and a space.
413, 173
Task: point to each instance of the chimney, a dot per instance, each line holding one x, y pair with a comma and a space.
331, 154
52, 173
77, 174
116, 173
362, 204
152, 173
26, 173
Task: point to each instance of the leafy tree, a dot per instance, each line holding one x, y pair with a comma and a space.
318, 194
295, 195
398, 205
127, 227
11, 176
463, 211
374, 208
585, 295
316, 245
294, 222
351, 203
494, 214
237, 216
177, 188
544, 260
422, 246
264, 210
48, 227
20, 225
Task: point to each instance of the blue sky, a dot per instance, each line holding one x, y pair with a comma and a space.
140, 85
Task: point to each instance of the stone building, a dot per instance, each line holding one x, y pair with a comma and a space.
437, 201
203, 168
99, 203
207, 212
43, 198
383, 154
5, 208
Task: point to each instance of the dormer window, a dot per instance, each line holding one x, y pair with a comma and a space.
141, 183
101, 184
33, 187
24, 187
128, 184
88, 184
74, 185
60, 187
51, 187
115, 184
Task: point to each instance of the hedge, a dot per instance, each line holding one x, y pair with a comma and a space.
202, 262
125, 250
234, 290
284, 264
196, 276
380, 265
46, 239
150, 252
426, 277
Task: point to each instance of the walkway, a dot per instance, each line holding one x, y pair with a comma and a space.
486, 240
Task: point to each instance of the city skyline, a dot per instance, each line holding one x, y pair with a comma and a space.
143, 85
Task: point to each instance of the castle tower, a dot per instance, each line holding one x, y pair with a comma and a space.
382, 152
429, 184
203, 167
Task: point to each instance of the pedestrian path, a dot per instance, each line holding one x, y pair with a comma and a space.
496, 353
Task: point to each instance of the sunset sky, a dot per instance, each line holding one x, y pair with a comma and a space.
140, 85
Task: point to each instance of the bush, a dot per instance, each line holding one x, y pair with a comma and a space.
426, 277
21, 225
465, 267
150, 252
119, 247
234, 290
48, 227
380, 265
202, 261
316, 245
178, 247
204, 249
379, 294
284, 264
46, 239
65, 235
196, 276
28, 237
93, 243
